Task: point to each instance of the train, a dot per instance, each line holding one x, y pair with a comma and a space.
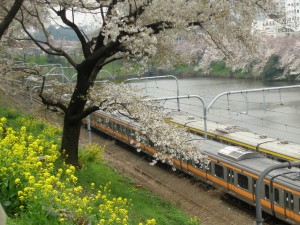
273, 148
232, 169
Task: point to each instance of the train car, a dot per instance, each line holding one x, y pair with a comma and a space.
271, 147
232, 169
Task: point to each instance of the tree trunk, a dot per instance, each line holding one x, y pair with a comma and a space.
72, 118
70, 141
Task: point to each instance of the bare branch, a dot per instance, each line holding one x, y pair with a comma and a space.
85, 47
6, 21
87, 112
84, 114
50, 102
102, 15
41, 44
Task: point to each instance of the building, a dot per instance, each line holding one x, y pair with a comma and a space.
290, 21
292, 14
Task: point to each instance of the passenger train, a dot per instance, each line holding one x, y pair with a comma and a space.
232, 169
274, 148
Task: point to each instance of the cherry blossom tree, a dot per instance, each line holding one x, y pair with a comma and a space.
287, 49
138, 30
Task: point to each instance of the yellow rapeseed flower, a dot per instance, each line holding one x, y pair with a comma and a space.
17, 181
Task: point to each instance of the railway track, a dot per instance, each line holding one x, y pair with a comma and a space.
146, 176
190, 195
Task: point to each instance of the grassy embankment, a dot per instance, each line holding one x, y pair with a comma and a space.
217, 69
142, 205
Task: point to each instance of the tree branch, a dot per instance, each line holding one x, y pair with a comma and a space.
100, 38
40, 44
50, 102
84, 114
6, 21
85, 46
87, 112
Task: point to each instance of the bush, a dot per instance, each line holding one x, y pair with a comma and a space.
219, 68
271, 69
91, 153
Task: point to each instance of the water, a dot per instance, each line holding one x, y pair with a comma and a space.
273, 113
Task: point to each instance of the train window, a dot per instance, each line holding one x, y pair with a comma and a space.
243, 181
124, 130
219, 171
292, 202
267, 192
208, 168
132, 134
119, 128
189, 162
276, 196
198, 165
151, 144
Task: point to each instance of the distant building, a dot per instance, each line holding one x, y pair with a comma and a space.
290, 9
292, 14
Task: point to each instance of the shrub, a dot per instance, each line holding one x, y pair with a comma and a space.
271, 70
91, 153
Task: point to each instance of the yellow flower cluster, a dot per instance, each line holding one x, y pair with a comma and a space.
92, 153
30, 166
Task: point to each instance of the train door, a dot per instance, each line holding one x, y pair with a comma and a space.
208, 173
289, 205
253, 189
230, 179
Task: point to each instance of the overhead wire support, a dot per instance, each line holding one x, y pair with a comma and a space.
188, 97
154, 78
258, 189
206, 109
249, 91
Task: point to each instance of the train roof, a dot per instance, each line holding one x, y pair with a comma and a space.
279, 147
245, 160
119, 116
252, 162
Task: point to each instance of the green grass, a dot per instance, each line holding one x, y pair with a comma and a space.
219, 68
14, 120
145, 205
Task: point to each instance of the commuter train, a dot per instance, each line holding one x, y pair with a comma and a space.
232, 169
271, 147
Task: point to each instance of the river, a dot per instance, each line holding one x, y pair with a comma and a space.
273, 113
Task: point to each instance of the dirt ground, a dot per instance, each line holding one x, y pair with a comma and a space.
211, 206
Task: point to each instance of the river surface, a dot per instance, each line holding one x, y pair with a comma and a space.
273, 113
